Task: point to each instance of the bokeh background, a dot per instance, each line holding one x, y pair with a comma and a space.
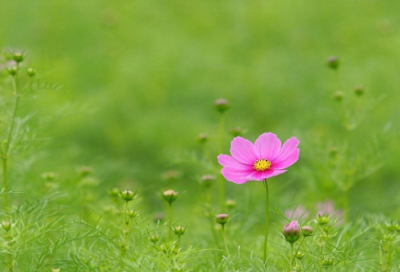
127, 86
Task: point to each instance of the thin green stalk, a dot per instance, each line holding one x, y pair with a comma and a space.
223, 234
298, 248
291, 256
170, 221
221, 179
7, 142
266, 223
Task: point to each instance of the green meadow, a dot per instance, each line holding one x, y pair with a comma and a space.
107, 105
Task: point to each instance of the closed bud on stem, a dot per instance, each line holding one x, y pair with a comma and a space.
359, 90
13, 70
333, 151
133, 213
31, 72
18, 57
221, 105
292, 232
207, 180
333, 62
307, 231
114, 192
230, 204
169, 196
222, 219
179, 230
327, 262
338, 96
49, 176
202, 138
84, 171
6, 226
299, 255
154, 238
127, 195
236, 131
323, 219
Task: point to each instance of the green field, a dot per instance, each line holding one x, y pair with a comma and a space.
123, 89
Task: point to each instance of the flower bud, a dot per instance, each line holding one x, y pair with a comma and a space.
133, 213
222, 219
333, 62
154, 238
292, 232
322, 219
179, 231
127, 195
327, 262
307, 231
207, 180
221, 105
31, 72
230, 204
114, 192
13, 70
202, 138
49, 176
18, 57
169, 196
299, 255
333, 151
6, 226
236, 131
359, 90
338, 96
84, 171
158, 217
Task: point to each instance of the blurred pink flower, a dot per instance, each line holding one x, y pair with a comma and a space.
298, 213
265, 159
327, 208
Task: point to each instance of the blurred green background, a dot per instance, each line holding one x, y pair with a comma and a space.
138, 79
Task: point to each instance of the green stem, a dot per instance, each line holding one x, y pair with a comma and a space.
298, 248
221, 179
346, 205
170, 221
8, 140
291, 256
266, 223
223, 234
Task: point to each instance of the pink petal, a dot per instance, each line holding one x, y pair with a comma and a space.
228, 161
267, 174
267, 146
287, 161
243, 151
233, 176
256, 175
287, 149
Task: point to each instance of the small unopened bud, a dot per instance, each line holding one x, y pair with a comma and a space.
333, 151
18, 57
124, 247
158, 217
202, 138
154, 238
230, 204
127, 195
13, 70
222, 219
299, 255
338, 96
84, 171
179, 230
236, 131
333, 62
327, 262
31, 72
49, 176
322, 219
292, 232
307, 231
133, 213
114, 192
359, 90
207, 180
221, 105
6, 226
169, 196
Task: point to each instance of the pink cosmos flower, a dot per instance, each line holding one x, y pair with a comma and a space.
263, 159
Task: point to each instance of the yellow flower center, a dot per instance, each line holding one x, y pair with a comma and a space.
261, 165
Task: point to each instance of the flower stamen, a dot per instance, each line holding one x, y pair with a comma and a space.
262, 165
